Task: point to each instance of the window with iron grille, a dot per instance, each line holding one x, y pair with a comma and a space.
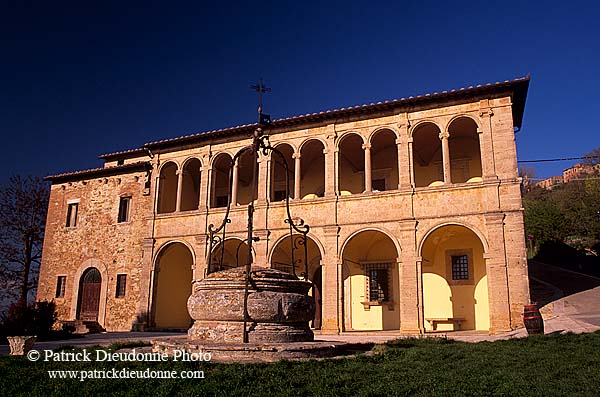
121, 284
460, 267
378, 282
61, 282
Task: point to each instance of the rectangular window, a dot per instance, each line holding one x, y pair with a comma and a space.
72, 214
378, 283
460, 267
124, 204
121, 284
61, 282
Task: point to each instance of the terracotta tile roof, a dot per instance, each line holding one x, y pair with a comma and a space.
518, 87
98, 172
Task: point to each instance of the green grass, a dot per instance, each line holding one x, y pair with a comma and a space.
554, 365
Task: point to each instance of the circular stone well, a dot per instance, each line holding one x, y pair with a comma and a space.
279, 307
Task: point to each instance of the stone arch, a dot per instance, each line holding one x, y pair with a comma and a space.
454, 278
428, 168
385, 231
351, 164
280, 258
173, 278
384, 160
190, 187
167, 187
234, 255
371, 281
90, 263
476, 120
312, 168
280, 240
469, 226
221, 165
465, 150
378, 129
278, 176
313, 138
419, 123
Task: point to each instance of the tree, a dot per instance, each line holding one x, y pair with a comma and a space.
527, 172
23, 208
545, 221
592, 157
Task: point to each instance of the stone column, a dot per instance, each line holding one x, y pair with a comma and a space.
234, 184
264, 179
204, 193
411, 308
367, 148
330, 172
411, 162
297, 175
330, 322
179, 187
446, 157
145, 285
497, 275
486, 146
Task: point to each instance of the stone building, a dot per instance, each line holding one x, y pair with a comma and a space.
414, 207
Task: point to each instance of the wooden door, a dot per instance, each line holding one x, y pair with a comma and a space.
89, 295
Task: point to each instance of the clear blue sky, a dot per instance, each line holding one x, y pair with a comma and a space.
80, 80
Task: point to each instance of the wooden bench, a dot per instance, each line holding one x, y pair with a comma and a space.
448, 320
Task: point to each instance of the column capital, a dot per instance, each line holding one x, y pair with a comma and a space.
483, 113
398, 141
366, 146
479, 130
444, 135
331, 231
403, 124
494, 218
296, 155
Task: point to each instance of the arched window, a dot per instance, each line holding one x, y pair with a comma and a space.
428, 169
278, 177
167, 188
465, 153
312, 166
190, 190
384, 161
351, 165
246, 191
220, 181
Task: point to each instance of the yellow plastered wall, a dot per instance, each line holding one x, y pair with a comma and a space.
443, 298
173, 287
370, 246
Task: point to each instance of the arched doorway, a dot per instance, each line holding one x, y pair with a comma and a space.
454, 280
173, 287
234, 253
288, 251
371, 282
89, 295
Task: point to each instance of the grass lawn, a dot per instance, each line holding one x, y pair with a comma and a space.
551, 365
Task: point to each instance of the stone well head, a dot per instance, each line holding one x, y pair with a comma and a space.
278, 306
